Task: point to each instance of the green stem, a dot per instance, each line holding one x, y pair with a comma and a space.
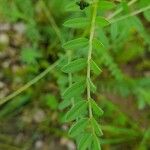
52, 21
30, 83
92, 30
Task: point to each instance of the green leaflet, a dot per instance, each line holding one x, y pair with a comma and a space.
65, 103
51, 101
71, 7
85, 141
114, 31
96, 143
92, 86
125, 6
75, 66
102, 22
95, 68
76, 43
78, 127
97, 44
105, 5
96, 127
77, 23
103, 39
30, 55
76, 89
96, 109
76, 110
142, 4
147, 15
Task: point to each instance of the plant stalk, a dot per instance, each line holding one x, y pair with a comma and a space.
92, 31
27, 85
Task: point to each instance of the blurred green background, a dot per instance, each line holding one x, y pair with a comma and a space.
31, 37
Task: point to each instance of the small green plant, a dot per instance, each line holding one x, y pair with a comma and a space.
85, 112
121, 49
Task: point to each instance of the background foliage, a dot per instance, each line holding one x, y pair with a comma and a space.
31, 37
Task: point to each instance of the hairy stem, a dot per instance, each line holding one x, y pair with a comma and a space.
92, 30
